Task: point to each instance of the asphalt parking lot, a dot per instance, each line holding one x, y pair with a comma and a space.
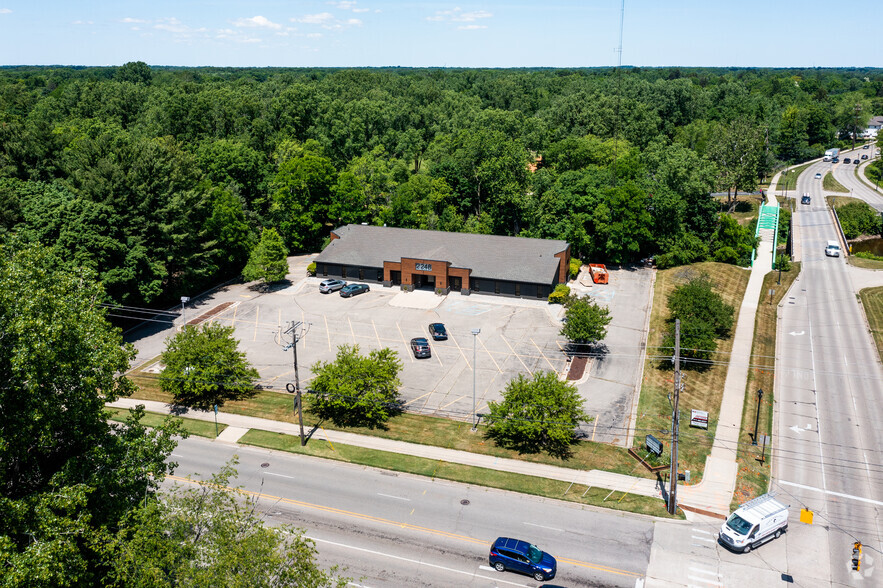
518, 336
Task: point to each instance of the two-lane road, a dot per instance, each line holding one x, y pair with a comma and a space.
392, 529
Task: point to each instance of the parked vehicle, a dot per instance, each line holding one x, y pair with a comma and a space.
438, 332
353, 290
755, 522
521, 556
328, 286
805, 199
832, 249
599, 273
420, 347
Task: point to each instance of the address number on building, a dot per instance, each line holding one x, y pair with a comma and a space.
423, 267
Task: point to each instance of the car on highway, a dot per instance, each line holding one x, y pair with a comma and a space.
438, 332
835, 160
521, 556
420, 347
864, 155
866, 146
856, 161
805, 199
818, 176
832, 249
847, 160
353, 290
328, 286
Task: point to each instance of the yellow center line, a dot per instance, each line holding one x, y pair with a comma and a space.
400, 524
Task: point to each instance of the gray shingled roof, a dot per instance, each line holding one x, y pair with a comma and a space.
489, 256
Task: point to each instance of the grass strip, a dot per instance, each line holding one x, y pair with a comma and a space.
829, 184
703, 390
788, 181
753, 475
413, 428
154, 419
460, 473
872, 302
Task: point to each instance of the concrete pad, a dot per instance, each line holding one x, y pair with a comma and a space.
231, 434
421, 299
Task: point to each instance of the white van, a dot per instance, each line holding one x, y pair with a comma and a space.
754, 523
832, 249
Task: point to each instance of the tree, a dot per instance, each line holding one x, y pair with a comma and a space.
704, 316
205, 368
358, 391
586, 321
737, 149
209, 534
66, 474
536, 415
268, 260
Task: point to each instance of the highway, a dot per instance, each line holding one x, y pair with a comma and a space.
829, 456
391, 529
845, 174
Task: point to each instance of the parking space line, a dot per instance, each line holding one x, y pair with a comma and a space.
438, 357
418, 398
452, 402
516, 355
595, 427
233, 322
376, 334
543, 354
451, 338
405, 341
491, 355
327, 331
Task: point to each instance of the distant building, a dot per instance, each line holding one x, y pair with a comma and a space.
874, 126
440, 261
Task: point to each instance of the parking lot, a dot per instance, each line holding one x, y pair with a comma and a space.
518, 336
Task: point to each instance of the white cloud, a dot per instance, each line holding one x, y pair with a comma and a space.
471, 27
235, 36
319, 19
457, 15
173, 25
257, 21
314, 35
5, 11
129, 20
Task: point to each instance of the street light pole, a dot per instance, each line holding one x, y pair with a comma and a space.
475, 333
757, 415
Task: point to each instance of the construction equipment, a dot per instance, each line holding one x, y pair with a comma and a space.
599, 273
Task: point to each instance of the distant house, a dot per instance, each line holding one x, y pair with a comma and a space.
874, 126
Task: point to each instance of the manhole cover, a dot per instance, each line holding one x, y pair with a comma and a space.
265, 465
464, 502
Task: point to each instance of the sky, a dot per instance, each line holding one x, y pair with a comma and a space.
491, 33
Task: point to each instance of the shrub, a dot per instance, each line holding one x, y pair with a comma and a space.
783, 262
560, 294
311, 269
858, 218
575, 265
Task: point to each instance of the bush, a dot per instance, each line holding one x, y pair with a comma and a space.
858, 218
311, 269
705, 318
575, 265
686, 250
783, 262
560, 294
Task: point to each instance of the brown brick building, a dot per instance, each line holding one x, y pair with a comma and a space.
489, 264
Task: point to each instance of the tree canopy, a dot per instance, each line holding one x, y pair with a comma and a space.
204, 367
586, 322
268, 260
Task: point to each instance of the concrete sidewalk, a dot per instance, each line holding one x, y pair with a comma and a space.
238, 425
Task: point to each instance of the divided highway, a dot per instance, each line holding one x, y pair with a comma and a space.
829, 385
392, 529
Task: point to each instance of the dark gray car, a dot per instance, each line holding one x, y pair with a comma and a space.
420, 347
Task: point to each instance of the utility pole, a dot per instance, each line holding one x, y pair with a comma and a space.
673, 490
298, 404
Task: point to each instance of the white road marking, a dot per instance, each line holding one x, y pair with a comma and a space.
279, 475
831, 492
712, 582
391, 496
704, 571
796, 333
414, 561
703, 532
702, 539
545, 527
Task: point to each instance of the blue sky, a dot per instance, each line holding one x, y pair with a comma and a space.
514, 33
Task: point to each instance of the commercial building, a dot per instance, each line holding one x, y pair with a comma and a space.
489, 264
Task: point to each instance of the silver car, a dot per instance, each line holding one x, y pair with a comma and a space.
328, 286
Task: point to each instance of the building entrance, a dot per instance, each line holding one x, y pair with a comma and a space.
423, 282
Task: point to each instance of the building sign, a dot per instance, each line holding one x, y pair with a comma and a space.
699, 418
423, 267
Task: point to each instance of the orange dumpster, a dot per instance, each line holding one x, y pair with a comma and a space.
599, 273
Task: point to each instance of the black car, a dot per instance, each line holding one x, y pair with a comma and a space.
836, 160
864, 155
438, 332
856, 161
521, 556
847, 160
420, 347
353, 290
805, 199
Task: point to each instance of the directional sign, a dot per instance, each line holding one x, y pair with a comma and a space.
796, 333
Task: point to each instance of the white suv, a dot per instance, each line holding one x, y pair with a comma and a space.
832, 249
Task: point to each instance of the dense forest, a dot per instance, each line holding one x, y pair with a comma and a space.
161, 179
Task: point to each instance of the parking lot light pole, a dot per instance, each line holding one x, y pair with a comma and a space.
475, 333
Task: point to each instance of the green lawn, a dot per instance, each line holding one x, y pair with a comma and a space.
153, 419
788, 181
872, 301
459, 473
829, 184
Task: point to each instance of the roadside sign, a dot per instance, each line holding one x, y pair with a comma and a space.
699, 419
653, 444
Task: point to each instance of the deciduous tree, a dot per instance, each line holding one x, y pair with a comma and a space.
268, 260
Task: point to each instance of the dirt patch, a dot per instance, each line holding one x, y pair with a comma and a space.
577, 368
210, 313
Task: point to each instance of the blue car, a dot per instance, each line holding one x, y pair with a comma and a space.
521, 556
